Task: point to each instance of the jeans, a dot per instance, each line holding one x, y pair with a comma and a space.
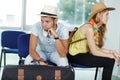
53, 57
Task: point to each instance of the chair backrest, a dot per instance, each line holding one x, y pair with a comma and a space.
9, 38
23, 45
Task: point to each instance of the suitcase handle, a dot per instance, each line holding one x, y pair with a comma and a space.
20, 74
39, 77
57, 75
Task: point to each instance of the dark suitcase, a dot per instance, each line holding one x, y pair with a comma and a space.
37, 72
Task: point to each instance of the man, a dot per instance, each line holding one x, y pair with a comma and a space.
48, 40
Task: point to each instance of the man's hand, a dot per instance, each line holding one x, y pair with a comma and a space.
43, 63
52, 32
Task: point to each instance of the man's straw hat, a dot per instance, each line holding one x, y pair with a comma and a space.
49, 11
98, 7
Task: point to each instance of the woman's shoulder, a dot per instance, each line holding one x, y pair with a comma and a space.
87, 26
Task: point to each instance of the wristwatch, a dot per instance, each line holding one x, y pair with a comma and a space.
56, 38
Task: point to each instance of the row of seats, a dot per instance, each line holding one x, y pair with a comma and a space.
17, 42
12, 42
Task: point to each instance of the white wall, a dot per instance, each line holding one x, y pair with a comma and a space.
113, 29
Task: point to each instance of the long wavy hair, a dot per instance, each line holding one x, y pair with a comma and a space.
102, 29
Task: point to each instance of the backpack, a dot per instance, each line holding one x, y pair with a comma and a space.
71, 33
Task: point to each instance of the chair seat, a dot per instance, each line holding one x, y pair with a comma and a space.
10, 50
81, 66
78, 65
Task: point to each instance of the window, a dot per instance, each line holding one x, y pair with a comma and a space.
23, 13
73, 12
34, 8
10, 13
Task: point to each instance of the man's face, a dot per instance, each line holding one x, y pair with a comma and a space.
47, 22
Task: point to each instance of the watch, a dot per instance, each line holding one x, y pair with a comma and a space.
56, 38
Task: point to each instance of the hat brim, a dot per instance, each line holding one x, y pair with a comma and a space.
93, 14
47, 15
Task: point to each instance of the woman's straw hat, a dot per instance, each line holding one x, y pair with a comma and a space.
49, 11
98, 7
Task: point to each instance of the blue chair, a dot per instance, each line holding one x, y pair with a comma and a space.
23, 47
9, 43
81, 66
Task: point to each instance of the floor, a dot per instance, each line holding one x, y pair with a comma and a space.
80, 73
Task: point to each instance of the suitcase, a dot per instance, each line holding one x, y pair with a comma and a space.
37, 72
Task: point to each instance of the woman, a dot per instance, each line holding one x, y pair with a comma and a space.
89, 51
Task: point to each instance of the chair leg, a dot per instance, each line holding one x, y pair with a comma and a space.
1, 58
20, 61
96, 72
4, 59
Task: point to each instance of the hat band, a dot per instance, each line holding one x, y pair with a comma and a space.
48, 14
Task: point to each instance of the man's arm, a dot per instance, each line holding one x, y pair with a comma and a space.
62, 47
33, 45
32, 50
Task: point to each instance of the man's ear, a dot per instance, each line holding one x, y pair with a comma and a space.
55, 20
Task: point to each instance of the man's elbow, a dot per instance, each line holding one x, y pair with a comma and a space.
31, 51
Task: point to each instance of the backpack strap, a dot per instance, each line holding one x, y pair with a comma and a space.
71, 33
79, 39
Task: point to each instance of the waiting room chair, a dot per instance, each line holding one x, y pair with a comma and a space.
23, 47
9, 43
81, 66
